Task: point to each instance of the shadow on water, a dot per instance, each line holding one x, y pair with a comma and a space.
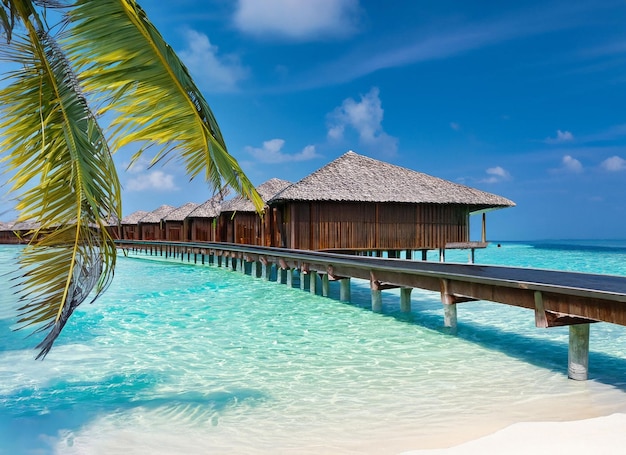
540, 352
543, 353
68, 406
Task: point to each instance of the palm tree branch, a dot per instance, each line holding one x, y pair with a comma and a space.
67, 180
145, 83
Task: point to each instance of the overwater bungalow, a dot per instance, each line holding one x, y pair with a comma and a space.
130, 225
6, 233
151, 226
114, 228
359, 204
21, 231
239, 221
203, 219
176, 224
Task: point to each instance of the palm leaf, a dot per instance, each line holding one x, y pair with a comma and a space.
121, 55
66, 181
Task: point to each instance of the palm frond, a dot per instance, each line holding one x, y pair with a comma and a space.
121, 54
66, 181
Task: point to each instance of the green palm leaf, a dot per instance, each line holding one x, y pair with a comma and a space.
121, 55
66, 181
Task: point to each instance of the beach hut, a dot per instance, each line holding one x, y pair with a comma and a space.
151, 226
203, 219
176, 224
129, 225
239, 221
6, 233
357, 203
22, 231
113, 227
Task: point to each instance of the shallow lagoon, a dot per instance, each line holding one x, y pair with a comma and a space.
178, 358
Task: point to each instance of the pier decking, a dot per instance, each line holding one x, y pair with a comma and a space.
557, 298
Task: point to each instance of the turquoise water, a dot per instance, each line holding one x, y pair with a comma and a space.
177, 358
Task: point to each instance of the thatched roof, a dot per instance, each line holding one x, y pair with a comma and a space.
134, 217
28, 225
266, 190
211, 208
157, 215
181, 212
5, 226
357, 178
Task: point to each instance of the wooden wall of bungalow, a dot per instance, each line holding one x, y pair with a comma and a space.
115, 231
241, 227
203, 229
8, 236
177, 230
152, 231
130, 231
369, 226
249, 228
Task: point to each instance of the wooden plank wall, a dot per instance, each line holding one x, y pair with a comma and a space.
371, 226
202, 229
174, 231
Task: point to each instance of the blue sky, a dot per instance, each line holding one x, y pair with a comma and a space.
523, 99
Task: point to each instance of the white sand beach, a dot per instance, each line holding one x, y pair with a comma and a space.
600, 436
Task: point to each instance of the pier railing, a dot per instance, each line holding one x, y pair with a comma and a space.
557, 297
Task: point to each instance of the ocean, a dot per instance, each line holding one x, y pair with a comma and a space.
189, 359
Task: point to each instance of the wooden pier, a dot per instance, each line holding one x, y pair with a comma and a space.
557, 298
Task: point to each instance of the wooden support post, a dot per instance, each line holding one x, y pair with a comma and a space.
266, 270
578, 354
449, 307
377, 296
281, 277
303, 279
241, 265
541, 320
219, 261
405, 300
409, 255
377, 300
289, 278
325, 285
442, 255
424, 255
344, 289
483, 236
313, 282
254, 269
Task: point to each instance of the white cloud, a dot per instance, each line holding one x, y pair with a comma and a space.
614, 164
297, 19
138, 166
496, 174
216, 73
365, 117
154, 180
271, 152
561, 137
572, 164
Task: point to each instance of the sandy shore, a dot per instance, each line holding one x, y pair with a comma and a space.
598, 436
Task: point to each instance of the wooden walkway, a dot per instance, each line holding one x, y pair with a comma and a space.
557, 298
